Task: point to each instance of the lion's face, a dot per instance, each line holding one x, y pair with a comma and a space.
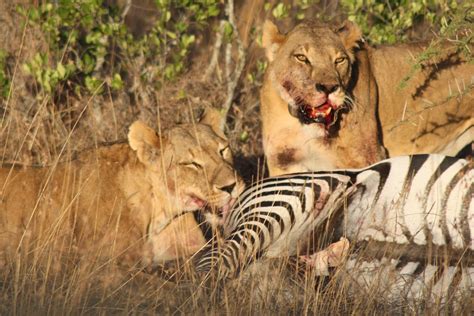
190, 169
191, 163
199, 168
311, 68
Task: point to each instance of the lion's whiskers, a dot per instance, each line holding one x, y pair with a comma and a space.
350, 102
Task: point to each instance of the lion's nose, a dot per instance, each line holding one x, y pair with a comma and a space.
228, 188
327, 88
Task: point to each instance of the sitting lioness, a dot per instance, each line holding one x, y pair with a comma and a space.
124, 203
330, 101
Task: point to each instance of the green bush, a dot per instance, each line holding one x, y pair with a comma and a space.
459, 28
4, 78
90, 46
390, 21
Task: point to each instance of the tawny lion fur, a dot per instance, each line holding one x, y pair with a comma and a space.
108, 203
433, 114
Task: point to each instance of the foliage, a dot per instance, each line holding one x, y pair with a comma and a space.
255, 76
390, 21
4, 78
456, 27
281, 10
91, 49
90, 45
302, 6
381, 21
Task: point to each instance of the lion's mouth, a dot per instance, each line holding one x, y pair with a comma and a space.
323, 114
197, 201
218, 212
310, 108
215, 215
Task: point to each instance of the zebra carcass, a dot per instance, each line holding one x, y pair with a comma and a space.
409, 219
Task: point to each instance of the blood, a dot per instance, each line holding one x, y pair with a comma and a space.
318, 115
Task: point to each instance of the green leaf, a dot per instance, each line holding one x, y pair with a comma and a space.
228, 31
171, 34
89, 63
93, 85
280, 11
116, 82
213, 11
61, 71
244, 136
187, 40
26, 67
181, 94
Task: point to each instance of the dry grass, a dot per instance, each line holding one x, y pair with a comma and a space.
33, 285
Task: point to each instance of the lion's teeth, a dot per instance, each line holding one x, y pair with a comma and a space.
328, 111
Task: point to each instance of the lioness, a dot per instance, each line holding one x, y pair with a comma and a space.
331, 101
115, 202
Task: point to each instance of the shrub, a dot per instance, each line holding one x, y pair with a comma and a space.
390, 21
90, 46
4, 78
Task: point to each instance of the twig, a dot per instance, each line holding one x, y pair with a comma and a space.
232, 83
215, 52
128, 5
228, 59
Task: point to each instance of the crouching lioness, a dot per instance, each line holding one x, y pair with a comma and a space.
125, 203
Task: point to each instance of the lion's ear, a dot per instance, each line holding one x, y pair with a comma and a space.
350, 35
144, 140
271, 39
214, 119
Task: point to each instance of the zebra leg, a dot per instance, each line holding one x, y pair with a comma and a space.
330, 257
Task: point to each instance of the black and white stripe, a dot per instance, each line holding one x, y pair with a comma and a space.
422, 201
439, 280
271, 216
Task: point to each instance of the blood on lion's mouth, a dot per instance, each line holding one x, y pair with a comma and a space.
323, 114
220, 211
301, 108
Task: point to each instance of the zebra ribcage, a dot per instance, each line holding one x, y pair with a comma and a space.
278, 216
420, 220
418, 201
432, 204
272, 217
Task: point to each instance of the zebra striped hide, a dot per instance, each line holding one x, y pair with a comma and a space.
410, 210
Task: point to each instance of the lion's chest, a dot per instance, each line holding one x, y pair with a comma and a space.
297, 148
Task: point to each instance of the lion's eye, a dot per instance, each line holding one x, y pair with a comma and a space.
302, 58
340, 60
